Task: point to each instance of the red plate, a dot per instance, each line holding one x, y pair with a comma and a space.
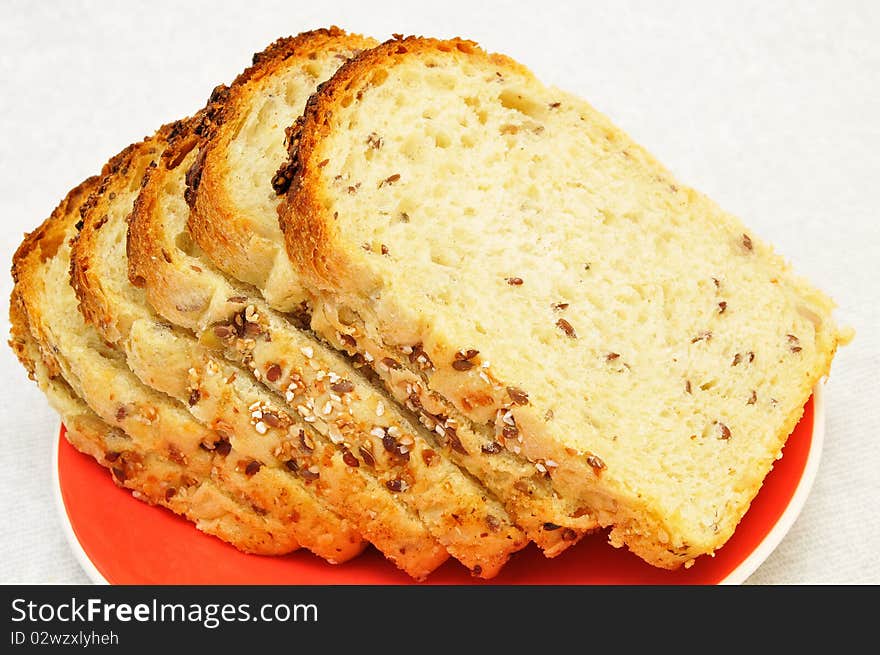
121, 540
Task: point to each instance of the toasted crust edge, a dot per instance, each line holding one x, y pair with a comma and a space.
214, 223
94, 302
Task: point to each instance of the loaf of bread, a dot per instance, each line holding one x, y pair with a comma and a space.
650, 351
405, 295
234, 222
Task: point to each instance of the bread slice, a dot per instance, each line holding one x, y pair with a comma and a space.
651, 351
236, 209
318, 391
209, 484
234, 222
151, 477
222, 396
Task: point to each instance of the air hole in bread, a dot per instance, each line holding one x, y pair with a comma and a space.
185, 244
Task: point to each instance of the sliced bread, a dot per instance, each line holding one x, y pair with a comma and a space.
151, 477
98, 375
234, 222
651, 352
236, 208
317, 391
220, 395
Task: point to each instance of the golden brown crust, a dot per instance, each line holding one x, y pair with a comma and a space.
144, 243
42, 244
95, 304
214, 223
159, 427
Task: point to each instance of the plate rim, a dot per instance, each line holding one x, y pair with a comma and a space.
798, 499
73, 542
736, 577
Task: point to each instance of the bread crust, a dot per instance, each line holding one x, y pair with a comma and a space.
95, 303
217, 225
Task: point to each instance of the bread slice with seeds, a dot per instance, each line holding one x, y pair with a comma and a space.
234, 222
237, 165
159, 432
316, 391
222, 395
151, 477
650, 350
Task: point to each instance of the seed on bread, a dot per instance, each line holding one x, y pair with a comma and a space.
567, 328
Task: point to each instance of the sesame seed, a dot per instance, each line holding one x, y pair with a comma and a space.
307, 351
380, 408
335, 433
261, 427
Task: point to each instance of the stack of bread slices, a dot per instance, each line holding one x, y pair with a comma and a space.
404, 294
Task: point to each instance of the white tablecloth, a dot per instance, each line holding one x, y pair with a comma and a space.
773, 109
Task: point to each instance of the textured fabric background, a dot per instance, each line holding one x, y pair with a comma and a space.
772, 109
